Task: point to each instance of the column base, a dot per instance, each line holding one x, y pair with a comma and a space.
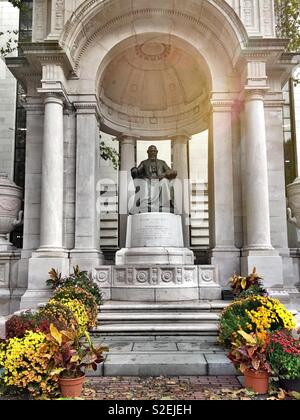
86, 259
268, 264
38, 272
8, 275
48, 252
227, 261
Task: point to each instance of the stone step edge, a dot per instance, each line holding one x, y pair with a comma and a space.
150, 306
213, 327
144, 316
147, 364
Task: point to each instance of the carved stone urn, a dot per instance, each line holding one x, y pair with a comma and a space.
10, 209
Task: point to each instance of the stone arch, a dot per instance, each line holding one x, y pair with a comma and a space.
212, 27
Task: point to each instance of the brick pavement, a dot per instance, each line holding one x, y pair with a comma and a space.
172, 388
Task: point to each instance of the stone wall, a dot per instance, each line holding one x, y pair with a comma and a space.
257, 16
9, 20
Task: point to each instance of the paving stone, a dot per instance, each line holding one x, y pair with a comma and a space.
126, 338
186, 338
219, 364
203, 347
147, 346
117, 347
157, 364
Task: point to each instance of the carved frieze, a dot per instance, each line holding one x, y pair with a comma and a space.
146, 276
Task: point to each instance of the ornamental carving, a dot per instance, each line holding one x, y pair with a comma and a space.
179, 276
121, 276
167, 276
102, 276
142, 276
153, 51
130, 276
154, 276
207, 276
189, 276
10, 205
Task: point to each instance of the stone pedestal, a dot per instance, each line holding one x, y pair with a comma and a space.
38, 272
8, 275
154, 238
160, 283
155, 266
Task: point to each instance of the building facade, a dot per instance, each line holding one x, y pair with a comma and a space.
204, 80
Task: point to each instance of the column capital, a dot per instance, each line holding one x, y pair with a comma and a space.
181, 138
54, 98
222, 105
54, 90
86, 108
255, 94
123, 139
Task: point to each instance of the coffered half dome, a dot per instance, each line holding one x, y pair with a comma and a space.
155, 85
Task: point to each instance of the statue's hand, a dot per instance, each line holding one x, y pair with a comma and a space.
171, 174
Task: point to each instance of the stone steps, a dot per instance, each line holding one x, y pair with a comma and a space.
216, 305
168, 328
199, 318
137, 318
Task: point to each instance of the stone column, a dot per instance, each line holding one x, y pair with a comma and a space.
224, 253
51, 230
181, 165
50, 253
127, 162
258, 251
87, 252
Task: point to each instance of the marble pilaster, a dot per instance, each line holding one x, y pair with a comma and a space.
180, 164
224, 253
87, 252
127, 162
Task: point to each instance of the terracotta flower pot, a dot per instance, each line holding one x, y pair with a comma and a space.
71, 387
257, 381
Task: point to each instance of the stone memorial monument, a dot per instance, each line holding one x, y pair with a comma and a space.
154, 234
155, 265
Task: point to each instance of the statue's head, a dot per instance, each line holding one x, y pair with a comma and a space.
152, 152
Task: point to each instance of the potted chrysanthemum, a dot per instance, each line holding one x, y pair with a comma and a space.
284, 358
